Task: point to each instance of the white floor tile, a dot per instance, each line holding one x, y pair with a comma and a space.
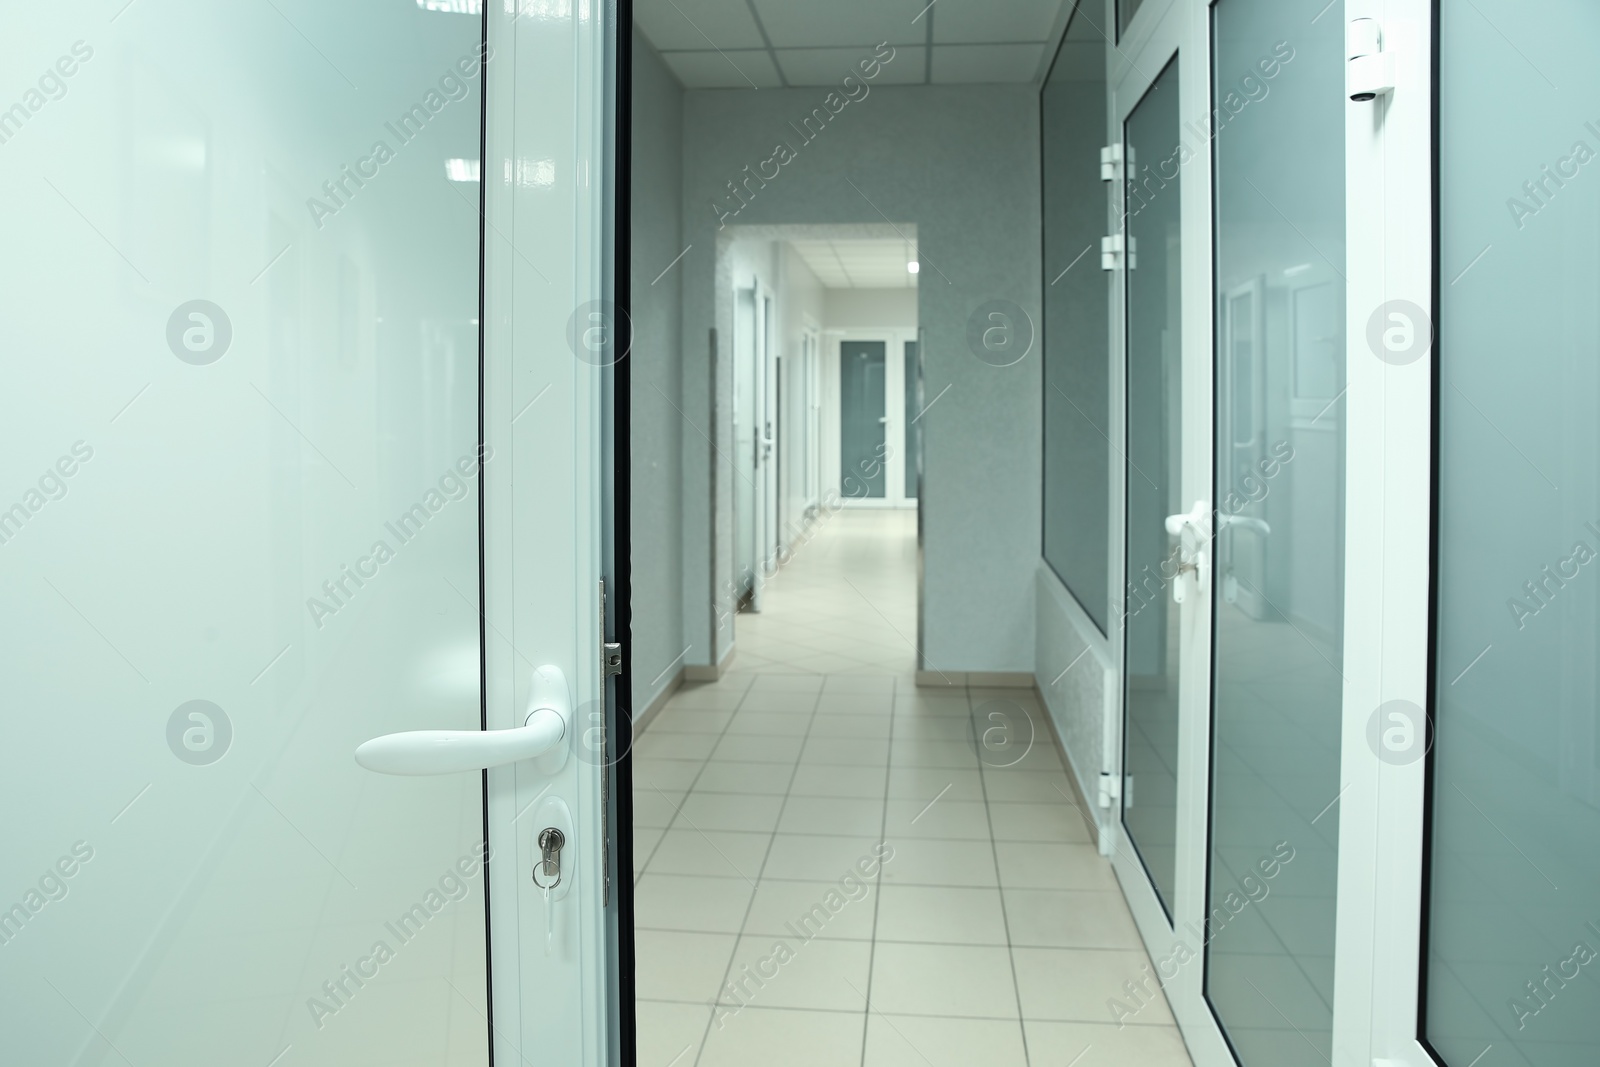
1136, 1046
730, 811
715, 852
838, 910
777, 1037
1075, 985
1056, 824
670, 1033
941, 914
965, 980
923, 1041
823, 857
835, 780
686, 967
855, 817
784, 765
1062, 918
689, 902
931, 861
789, 972
1032, 865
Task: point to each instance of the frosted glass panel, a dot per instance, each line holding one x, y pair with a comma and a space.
1075, 333
1279, 548
1153, 473
1515, 895
238, 452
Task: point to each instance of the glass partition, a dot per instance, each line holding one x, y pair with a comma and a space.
1153, 477
1076, 336
1278, 145
1513, 903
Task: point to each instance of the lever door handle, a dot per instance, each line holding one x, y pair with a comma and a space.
1245, 522
542, 736
1198, 520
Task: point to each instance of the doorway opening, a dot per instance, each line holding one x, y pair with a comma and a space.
825, 387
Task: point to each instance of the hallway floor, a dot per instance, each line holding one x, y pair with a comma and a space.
768, 930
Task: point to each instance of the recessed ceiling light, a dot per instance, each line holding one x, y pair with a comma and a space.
913, 266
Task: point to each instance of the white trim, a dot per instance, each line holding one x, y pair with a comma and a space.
894, 340
1388, 191
1182, 28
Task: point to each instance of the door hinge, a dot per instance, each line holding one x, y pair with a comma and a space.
1117, 247
1110, 162
1108, 789
1369, 70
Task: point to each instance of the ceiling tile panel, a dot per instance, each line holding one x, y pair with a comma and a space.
829, 66
979, 21
842, 23
697, 24
990, 63
729, 69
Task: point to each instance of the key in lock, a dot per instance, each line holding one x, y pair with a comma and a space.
547, 872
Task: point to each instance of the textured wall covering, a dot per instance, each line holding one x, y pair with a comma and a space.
961, 163
1076, 676
657, 372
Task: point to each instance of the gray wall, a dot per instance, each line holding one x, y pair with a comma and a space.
961, 163
657, 372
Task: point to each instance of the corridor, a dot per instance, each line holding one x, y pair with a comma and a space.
825, 854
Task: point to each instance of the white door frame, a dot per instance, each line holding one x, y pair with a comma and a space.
1389, 450
894, 340
811, 375
555, 1005
767, 444
1157, 33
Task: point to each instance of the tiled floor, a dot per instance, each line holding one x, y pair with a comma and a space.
768, 930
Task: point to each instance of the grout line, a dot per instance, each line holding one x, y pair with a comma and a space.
697, 774
1005, 916
772, 840
877, 900
1098, 1020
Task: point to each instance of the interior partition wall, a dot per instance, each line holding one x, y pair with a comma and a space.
1277, 645
1475, 757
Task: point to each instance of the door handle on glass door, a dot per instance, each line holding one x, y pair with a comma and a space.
543, 736
1245, 522
1198, 520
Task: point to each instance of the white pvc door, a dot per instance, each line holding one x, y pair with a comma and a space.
299, 440
1469, 915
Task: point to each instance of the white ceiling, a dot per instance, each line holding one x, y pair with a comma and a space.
859, 263
740, 44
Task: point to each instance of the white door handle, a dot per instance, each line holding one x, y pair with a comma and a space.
542, 736
1245, 522
1198, 520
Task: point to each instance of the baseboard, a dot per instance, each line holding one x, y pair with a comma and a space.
976, 679
645, 717
708, 672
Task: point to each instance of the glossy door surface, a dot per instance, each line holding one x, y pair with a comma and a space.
1280, 445
1153, 469
863, 436
1513, 918
241, 458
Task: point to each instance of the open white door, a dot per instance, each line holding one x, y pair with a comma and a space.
305, 351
